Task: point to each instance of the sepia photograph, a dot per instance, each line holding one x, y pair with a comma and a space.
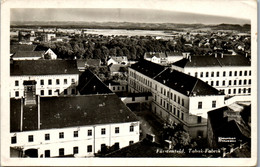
129, 83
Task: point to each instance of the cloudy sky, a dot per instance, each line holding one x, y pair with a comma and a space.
166, 11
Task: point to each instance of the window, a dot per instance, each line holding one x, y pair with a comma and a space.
223, 83
13, 140
178, 113
76, 134
73, 91
245, 73
117, 146
75, 150
65, 91
123, 88
182, 102
188, 73
42, 92
174, 111
42, 82
47, 136
103, 148
16, 93
57, 81
155, 87
90, 132
171, 108
65, 81
103, 131
235, 74
50, 92
217, 74
201, 74
61, 151
213, 104
146, 97
235, 82
224, 73
244, 90
171, 95
49, 82
118, 88
245, 82
240, 73
133, 98
182, 116
199, 119
249, 90
61, 135
72, 80
30, 138
207, 74
163, 103
229, 82
179, 100
240, 82
116, 129
196, 74
229, 91
131, 142
212, 83
89, 148
212, 74
216, 83
249, 72
234, 91
249, 81
131, 128
161, 90
239, 90
199, 105
47, 153
230, 73
175, 98
16, 83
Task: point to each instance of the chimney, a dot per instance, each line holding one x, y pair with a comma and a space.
222, 55
216, 55
189, 58
246, 54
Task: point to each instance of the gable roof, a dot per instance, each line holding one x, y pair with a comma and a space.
43, 67
74, 111
89, 83
26, 54
16, 48
211, 61
156, 54
119, 58
148, 68
185, 84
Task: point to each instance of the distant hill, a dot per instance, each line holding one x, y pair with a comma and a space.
128, 25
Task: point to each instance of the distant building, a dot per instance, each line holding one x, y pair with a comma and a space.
117, 86
230, 74
52, 77
48, 37
177, 97
20, 48
28, 55
163, 58
93, 62
77, 126
118, 69
121, 60
49, 54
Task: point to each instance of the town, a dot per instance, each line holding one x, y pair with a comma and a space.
82, 92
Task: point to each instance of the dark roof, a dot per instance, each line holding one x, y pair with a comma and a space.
156, 54
73, 111
185, 84
148, 68
173, 54
43, 67
16, 48
209, 61
93, 62
89, 83
25, 54
81, 63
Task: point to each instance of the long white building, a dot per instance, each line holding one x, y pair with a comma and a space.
177, 97
53, 77
229, 73
77, 126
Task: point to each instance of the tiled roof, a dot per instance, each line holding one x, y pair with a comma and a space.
148, 68
210, 61
43, 67
185, 84
25, 54
16, 48
91, 84
74, 111
93, 62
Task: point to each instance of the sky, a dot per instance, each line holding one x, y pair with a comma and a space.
166, 11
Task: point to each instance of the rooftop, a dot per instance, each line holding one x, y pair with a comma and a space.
156, 54
185, 84
93, 62
148, 68
75, 111
25, 54
212, 61
15, 48
43, 67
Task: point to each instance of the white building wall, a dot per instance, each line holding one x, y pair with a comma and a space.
46, 87
82, 141
26, 58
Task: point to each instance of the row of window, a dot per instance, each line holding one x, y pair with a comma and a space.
75, 134
239, 91
173, 97
141, 79
65, 81
118, 87
217, 74
50, 92
235, 82
213, 104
